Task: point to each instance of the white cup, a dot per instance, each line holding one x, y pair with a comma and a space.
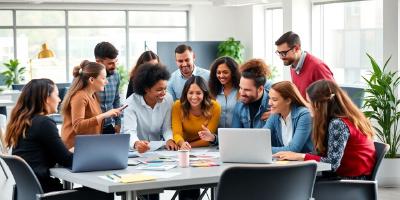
183, 157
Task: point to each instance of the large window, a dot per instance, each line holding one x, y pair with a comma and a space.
73, 34
273, 30
342, 35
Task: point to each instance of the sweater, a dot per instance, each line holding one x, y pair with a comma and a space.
81, 118
186, 129
313, 69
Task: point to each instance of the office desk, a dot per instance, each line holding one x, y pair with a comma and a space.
192, 176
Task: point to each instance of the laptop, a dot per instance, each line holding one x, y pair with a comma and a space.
243, 145
100, 152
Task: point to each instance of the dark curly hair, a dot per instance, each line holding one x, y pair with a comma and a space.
214, 84
257, 70
148, 75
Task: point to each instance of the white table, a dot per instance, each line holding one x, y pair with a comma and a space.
207, 177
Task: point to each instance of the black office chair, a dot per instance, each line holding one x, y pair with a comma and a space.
28, 187
353, 189
286, 182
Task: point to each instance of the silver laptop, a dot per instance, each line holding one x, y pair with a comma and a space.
100, 152
242, 145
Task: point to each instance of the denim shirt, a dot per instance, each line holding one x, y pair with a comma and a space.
301, 124
227, 105
241, 113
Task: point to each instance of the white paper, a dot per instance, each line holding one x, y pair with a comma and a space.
154, 145
158, 174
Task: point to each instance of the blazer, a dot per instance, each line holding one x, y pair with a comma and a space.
302, 125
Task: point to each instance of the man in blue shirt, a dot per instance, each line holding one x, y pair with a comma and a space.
252, 109
184, 57
106, 54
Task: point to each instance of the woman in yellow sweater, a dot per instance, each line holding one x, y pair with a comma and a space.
81, 108
194, 112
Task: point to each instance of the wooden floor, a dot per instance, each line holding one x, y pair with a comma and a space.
6, 190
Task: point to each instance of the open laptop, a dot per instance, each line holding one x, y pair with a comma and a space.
242, 145
100, 152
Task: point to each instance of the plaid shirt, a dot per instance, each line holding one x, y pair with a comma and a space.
109, 98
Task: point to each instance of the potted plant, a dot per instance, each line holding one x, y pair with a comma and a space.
381, 105
231, 48
13, 74
124, 79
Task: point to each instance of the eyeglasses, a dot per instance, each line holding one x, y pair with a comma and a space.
283, 53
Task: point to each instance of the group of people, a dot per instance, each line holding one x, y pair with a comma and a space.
310, 118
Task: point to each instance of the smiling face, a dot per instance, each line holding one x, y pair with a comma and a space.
224, 74
158, 91
195, 95
288, 55
99, 82
277, 103
248, 91
110, 64
185, 62
52, 101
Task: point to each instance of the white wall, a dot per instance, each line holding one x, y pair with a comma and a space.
218, 23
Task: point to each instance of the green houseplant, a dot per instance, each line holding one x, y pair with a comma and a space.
124, 77
13, 74
231, 48
381, 104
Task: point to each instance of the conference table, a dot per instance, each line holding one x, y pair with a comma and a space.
186, 178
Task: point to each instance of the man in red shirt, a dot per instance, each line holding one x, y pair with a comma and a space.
305, 69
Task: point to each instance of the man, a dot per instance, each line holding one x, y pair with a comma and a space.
106, 54
184, 57
305, 69
253, 96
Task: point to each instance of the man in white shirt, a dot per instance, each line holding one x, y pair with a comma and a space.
184, 57
148, 115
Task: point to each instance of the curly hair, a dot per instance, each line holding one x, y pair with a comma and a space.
148, 75
214, 84
257, 70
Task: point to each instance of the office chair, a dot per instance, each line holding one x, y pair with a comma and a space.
28, 187
3, 148
286, 182
353, 189
356, 93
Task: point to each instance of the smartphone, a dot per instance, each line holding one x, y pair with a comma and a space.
123, 107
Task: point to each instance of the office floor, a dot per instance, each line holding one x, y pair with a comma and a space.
6, 191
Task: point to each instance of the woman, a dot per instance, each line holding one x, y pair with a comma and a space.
81, 108
34, 137
146, 57
290, 120
148, 116
342, 135
195, 111
224, 85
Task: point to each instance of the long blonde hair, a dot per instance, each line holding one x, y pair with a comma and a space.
329, 101
81, 74
31, 102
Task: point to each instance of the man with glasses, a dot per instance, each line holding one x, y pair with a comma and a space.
106, 54
305, 68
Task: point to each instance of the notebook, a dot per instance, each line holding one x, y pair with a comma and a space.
100, 152
242, 145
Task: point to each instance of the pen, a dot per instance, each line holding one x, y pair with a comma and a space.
117, 175
109, 176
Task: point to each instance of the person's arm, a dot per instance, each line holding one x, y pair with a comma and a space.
130, 125
177, 128
78, 109
236, 117
166, 126
323, 72
117, 103
301, 135
52, 142
170, 88
211, 126
338, 134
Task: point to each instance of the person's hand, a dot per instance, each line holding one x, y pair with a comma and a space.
142, 146
206, 135
117, 128
185, 146
171, 145
265, 115
288, 155
112, 113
